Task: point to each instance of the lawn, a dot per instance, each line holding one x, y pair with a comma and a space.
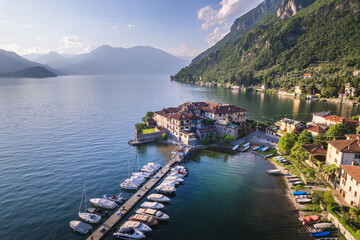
148, 130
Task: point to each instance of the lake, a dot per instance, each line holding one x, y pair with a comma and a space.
55, 133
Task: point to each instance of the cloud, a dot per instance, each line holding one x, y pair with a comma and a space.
114, 27
131, 26
10, 47
183, 50
218, 18
38, 38
73, 45
34, 50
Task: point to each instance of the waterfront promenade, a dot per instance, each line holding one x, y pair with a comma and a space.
120, 213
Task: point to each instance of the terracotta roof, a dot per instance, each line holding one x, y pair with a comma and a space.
334, 118
315, 128
353, 171
187, 132
220, 109
314, 150
349, 120
347, 146
307, 74
322, 114
205, 130
352, 136
184, 116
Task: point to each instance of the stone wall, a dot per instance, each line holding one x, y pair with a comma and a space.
341, 228
148, 137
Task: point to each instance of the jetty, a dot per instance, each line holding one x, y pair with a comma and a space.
121, 212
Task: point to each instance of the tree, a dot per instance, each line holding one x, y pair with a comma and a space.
228, 138
305, 137
320, 140
164, 136
337, 131
287, 142
328, 198
139, 127
147, 116
298, 152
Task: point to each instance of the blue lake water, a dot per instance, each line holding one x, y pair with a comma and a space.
56, 133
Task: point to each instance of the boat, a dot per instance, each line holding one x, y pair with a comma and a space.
168, 184
264, 149
176, 174
297, 193
180, 170
320, 234
245, 148
129, 185
260, 149
128, 233
99, 211
273, 171
293, 179
304, 196
296, 183
115, 198
235, 147
309, 219
104, 203
80, 227
158, 198
165, 190
177, 179
148, 220
148, 170
269, 155
322, 225
138, 225
85, 216
291, 176
153, 205
255, 147
157, 214
171, 181
142, 174
303, 200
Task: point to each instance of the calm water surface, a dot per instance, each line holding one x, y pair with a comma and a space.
56, 133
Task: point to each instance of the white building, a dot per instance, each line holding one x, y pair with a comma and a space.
350, 184
343, 152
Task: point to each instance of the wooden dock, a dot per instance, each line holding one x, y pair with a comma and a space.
120, 213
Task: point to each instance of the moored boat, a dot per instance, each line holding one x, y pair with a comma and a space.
114, 198
128, 185
309, 219
158, 198
296, 183
264, 149
273, 171
99, 211
85, 216
290, 176
303, 200
128, 233
255, 147
297, 193
322, 225
246, 144
157, 214
320, 234
153, 205
148, 220
293, 179
177, 179
138, 225
104, 203
165, 189
235, 147
80, 227
269, 155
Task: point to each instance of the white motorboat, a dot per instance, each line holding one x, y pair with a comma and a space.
255, 147
264, 149
165, 190
158, 198
148, 170
322, 225
138, 180
85, 216
168, 184
171, 181
80, 227
153, 205
235, 147
246, 145
157, 214
128, 185
175, 174
245, 148
269, 155
303, 200
273, 171
128, 233
104, 203
179, 168
156, 166
177, 179
142, 174
114, 198
138, 225
304, 196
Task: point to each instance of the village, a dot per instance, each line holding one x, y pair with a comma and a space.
322, 155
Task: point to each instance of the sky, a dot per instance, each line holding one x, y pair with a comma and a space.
179, 27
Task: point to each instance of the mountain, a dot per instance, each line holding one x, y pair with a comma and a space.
32, 72
115, 60
243, 24
320, 38
11, 62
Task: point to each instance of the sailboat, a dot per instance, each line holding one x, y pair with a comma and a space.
87, 217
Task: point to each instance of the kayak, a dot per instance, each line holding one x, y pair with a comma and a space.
297, 193
320, 234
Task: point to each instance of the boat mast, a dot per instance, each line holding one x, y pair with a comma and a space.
85, 194
82, 195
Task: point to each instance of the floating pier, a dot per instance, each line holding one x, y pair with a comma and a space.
120, 213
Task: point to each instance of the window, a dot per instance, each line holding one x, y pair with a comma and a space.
352, 178
337, 152
350, 189
357, 155
355, 194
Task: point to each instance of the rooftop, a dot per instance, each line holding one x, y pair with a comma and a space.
347, 146
353, 171
314, 150
316, 128
322, 114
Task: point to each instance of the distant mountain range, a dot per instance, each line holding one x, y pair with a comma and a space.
102, 60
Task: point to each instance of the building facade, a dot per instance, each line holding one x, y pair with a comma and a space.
343, 152
350, 184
